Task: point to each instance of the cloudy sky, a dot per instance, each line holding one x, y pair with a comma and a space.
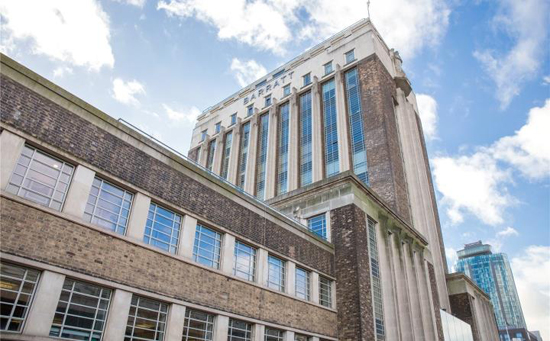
480, 69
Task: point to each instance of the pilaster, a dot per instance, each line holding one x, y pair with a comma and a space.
79, 191
11, 147
115, 327
250, 176
42, 310
342, 121
187, 237
228, 253
234, 154
218, 153
221, 328
138, 216
293, 157
272, 148
317, 131
174, 325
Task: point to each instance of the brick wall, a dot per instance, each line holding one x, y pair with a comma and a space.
193, 154
386, 170
35, 115
354, 299
435, 299
37, 235
462, 307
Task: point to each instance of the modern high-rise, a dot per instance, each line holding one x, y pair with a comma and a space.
492, 273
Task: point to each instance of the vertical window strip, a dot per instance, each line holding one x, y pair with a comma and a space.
198, 326
261, 162
245, 138
325, 292
282, 157
273, 334
244, 261
146, 320
41, 178
318, 225
239, 331
332, 166
211, 152
306, 138
162, 228
206, 249
226, 153
376, 282
276, 274
302, 284
357, 134
18, 286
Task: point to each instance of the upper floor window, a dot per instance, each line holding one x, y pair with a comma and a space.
203, 134
227, 142
245, 261
350, 56
233, 118
18, 287
376, 280
267, 100
261, 161
218, 127
325, 292
210, 156
206, 249
81, 311
328, 68
302, 284
239, 331
108, 206
146, 320
318, 225
243, 155
330, 118
306, 79
276, 273
283, 148
250, 110
41, 178
286, 90
163, 228
198, 325
273, 334
356, 129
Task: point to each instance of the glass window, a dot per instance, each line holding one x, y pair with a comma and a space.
218, 127
276, 273
245, 261
298, 337
250, 110
41, 178
81, 311
376, 281
267, 100
328, 68
282, 157
207, 247
146, 320
357, 135
211, 152
203, 134
306, 137
233, 118
286, 90
17, 287
302, 284
245, 138
228, 140
163, 228
318, 225
239, 331
198, 326
350, 56
273, 334
332, 165
262, 156
306, 79
325, 291
108, 206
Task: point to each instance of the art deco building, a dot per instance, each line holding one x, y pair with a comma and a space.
310, 214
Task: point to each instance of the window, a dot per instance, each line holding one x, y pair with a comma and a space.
302, 284
278, 74
41, 178
108, 206
273, 334
358, 148
207, 247
375, 279
17, 286
250, 110
203, 134
245, 137
298, 337
267, 100
350, 56
211, 152
332, 166
318, 225
226, 154
328, 68
218, 127
81, 311
286, 90
306, 137
198, 326
163, 228
233, 119
245, 261
276, 274
239, 331
146, 320
262, 156
282, 157
325, 292
306, 79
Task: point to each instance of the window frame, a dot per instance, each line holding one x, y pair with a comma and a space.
307, 277
208, 325
347, 54
328, 68
233, 119
268, 101
175, 233
251, 274
324, 227
218, 127
286, 90
325, 300
306, 79
247, 331
271, 266
137, 307
216, 247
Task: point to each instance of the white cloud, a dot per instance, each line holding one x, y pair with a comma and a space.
508, 232
525, 22
452, 257
247, 72
546, 80
427, 107
188, 116
137, 3
61, 71
125, 91
268, 24
531, 271
74, 32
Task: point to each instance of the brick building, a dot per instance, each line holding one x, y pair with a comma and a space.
109, 235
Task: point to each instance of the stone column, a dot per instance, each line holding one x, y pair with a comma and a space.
138, 216
314, 287
204, 151
258, 332
250, 177
218, 153
391, 318
288, 336
272, 148
11, 147
290, 278
115, 327
174, 325
414, 302
187, 237
425, 305
42, 311
228, 253
262, 270
402, 299
342, 121
293, 143
221, 328
234, 154
79, 191
317, 130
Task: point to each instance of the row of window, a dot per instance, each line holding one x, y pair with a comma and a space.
82, 311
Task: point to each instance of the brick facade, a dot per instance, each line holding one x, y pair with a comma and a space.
461, 305
436, 303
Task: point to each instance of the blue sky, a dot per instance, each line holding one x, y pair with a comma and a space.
480, 69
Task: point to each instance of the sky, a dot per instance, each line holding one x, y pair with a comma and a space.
480, 69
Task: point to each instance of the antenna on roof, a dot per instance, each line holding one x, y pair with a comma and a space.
368, 9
